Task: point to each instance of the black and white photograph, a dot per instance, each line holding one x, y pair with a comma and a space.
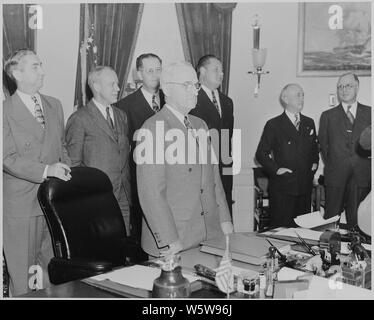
161, 151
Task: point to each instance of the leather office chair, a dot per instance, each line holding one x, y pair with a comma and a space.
86, 225
261, 202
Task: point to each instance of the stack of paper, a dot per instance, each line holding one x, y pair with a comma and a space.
304, 233
137, 276
313, 220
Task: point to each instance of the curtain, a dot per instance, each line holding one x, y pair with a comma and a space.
108, 33
206, 29
16, 35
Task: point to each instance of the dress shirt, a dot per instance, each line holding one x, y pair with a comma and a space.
353, 108
216, 94
292, 117
102, 109
148, 96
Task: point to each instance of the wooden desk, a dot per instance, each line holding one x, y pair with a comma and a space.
79, 289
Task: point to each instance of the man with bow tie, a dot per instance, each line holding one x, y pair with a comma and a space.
96, 136
347, 173
184, 202
288, 152
33, 149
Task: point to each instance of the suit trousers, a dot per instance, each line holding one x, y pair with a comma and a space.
28, 250
348, 198
284, 208
125, 209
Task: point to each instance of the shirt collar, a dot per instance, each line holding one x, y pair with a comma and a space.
148, 96
209, 92
353, 108
291, 116
178, 114
27, 100
102, 108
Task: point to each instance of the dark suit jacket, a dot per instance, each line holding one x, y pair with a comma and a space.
138, 111
206, 110
91, 142
27, 149
282, 146
339, 145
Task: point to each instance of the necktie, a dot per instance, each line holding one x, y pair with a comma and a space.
297, 121
155, 106
215, 102
109, 118
38, 113
350, 115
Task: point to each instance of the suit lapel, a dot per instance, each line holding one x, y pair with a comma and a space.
288, 126
24, 118
50, 125
210, 105
144, 110
99, 119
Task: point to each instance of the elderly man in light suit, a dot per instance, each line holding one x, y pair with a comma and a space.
183, 203
96, 136
33, 149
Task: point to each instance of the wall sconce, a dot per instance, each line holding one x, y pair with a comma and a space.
258, 55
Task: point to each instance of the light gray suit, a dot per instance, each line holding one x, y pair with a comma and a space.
27, 149
92, 142
184, 201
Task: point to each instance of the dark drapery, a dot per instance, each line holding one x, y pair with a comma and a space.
108, 34
206, 29
16, 35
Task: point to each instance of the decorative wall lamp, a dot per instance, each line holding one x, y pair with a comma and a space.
258, 55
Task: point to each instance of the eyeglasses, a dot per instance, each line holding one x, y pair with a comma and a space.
189, 85
347, 86
151, 71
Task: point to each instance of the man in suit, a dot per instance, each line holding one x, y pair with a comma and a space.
183, 202
139, 106
96, 136
347, 174
216, 109
33, 149
288, 152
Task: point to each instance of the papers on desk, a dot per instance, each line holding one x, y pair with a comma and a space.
137, 276
328, 289
288, 274
304, 233
313, 219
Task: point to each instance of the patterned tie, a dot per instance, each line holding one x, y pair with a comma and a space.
189, 126
155, 106
350, 115
109, 118
297, 121
38, 113
215, 102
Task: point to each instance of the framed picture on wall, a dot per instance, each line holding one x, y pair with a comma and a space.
334, 38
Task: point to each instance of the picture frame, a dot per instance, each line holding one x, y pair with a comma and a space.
334, 38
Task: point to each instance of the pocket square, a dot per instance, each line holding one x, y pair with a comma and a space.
311, 132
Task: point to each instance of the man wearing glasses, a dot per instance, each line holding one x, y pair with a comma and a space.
183, 203
347, 174
139, 106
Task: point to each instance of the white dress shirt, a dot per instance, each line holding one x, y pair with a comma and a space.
148, 96
216, 94
102, 109
292, 117
353, 108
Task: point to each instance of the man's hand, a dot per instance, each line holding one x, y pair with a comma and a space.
227, 227
59, 170
174, 248
281, 171
314, 166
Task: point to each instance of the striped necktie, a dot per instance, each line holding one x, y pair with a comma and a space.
109, 118
38, 112
155, 105
297, 121
350, 115
215, 102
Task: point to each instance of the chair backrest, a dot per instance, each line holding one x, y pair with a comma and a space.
83, 216
261, 180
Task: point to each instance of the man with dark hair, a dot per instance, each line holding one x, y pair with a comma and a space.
33, 149
288, 152
96, 136
216, 109
347, 174
139, 106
